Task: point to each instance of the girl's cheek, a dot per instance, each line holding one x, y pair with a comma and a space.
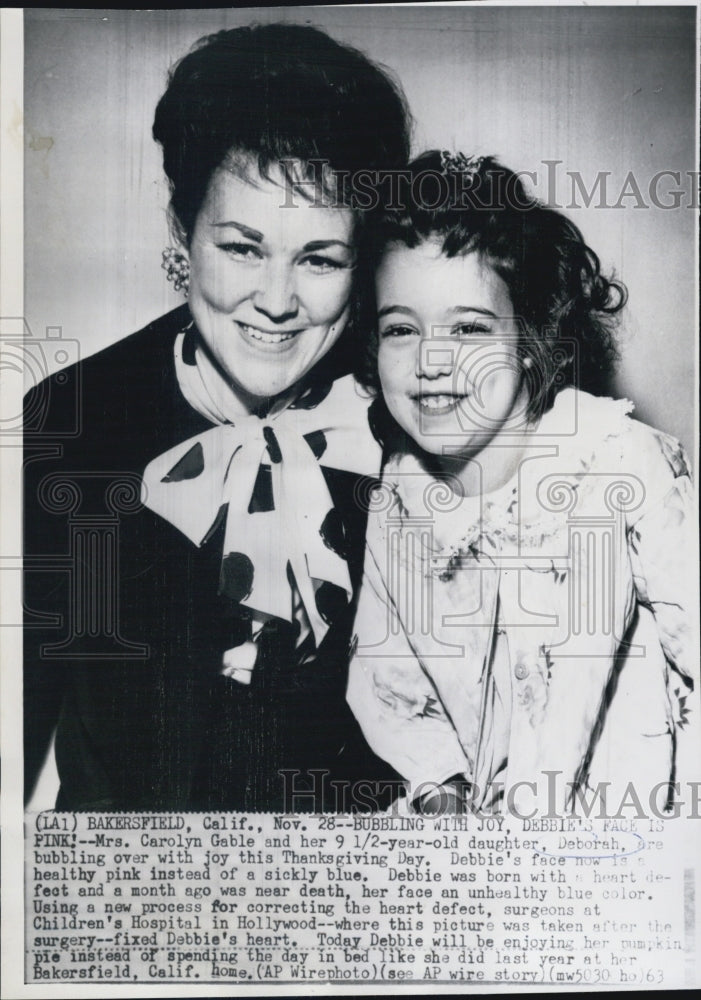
384, 369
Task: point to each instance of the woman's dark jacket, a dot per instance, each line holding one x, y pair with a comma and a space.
125, 629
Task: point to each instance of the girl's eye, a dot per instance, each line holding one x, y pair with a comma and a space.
323, 265
241, 251
398, 330
476, 328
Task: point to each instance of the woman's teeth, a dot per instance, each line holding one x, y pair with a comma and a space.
269, 338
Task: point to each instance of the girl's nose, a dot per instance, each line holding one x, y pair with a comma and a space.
435, 357
276, 295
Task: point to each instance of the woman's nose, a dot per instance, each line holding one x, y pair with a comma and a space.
435, 357
276, 295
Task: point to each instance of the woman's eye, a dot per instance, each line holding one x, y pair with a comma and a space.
322, 265
241, 251
399, 330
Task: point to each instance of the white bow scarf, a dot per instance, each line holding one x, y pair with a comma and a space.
213, 475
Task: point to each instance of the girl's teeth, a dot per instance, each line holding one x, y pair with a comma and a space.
270, 338
437, 402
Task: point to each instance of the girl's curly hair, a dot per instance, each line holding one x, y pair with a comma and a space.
564, 305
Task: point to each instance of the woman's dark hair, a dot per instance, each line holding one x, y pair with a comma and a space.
276, 92
564, 305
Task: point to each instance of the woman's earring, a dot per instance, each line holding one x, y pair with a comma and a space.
177, 269
527, 362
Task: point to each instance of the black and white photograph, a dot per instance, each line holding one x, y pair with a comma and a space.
350, 546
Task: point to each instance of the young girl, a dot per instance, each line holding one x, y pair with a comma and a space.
524, 632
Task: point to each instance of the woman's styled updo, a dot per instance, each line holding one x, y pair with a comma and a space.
564, 305
276, 92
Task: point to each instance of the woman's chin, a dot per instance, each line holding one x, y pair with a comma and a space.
260, 390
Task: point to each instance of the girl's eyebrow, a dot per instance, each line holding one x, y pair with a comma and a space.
454, 310
404, 310
473, 309
251, 234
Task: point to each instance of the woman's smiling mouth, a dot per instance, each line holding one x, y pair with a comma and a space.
268, 337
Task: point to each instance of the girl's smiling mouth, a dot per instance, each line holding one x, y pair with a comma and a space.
437, 403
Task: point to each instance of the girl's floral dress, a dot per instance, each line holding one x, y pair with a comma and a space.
540, 639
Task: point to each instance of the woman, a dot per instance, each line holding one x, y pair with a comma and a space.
525, 621
195, 636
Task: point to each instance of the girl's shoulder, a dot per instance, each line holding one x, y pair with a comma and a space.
607, 441
612, 422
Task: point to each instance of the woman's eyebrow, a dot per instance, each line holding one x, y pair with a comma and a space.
324, 244
251, 234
